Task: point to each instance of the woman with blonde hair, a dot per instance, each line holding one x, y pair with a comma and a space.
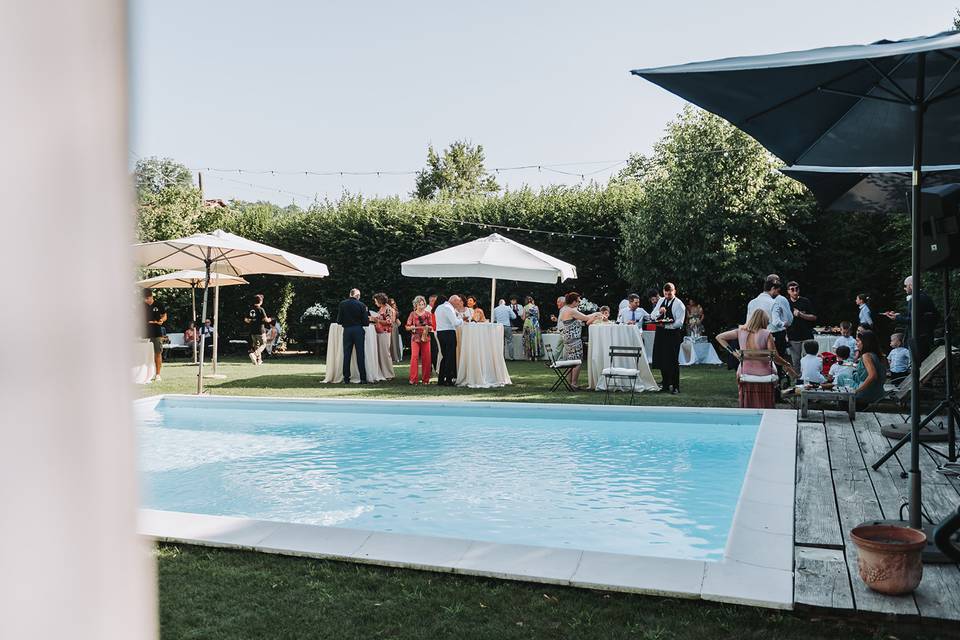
420, 324
756, 379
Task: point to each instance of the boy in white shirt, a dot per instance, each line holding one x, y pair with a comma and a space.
899, 358
811, 365
845, 338
841, 372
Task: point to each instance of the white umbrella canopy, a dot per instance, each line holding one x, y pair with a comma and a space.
494, 256
188, 280
194, 279
227, 253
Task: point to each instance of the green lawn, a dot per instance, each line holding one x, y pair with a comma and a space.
302, 376
212, 593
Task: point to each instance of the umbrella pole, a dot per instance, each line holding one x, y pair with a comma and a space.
216, 323
914, 472
193, 308
203, 336
493, 298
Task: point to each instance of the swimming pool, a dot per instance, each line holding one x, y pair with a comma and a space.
636, 481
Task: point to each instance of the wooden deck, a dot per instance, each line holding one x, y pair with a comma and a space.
837, 490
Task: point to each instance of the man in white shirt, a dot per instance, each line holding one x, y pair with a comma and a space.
504, 315
670, 315
633, 313
778, 308
448, 317
561, 300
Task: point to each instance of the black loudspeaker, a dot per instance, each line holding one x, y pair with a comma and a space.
940, 236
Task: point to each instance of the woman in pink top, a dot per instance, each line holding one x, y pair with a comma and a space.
754, 335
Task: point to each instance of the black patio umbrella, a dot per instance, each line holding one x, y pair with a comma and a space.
869, 189
890, 104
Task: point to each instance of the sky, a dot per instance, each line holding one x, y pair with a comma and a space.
293, 86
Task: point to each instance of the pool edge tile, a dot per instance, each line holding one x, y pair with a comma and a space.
669, 577
411, 551
195, 528
520, 562
738, 583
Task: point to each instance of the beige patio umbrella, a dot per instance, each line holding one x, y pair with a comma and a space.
226, 253
194, 279
494, 256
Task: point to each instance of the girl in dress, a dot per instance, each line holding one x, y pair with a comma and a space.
532, 340
694, 319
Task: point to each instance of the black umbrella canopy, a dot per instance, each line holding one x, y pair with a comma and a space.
886, 104
809, 107
868, 189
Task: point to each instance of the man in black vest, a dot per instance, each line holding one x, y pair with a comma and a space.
929, 318
353, 316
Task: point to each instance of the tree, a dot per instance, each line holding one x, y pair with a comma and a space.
459, 171
956, 21
714, 216
153, 175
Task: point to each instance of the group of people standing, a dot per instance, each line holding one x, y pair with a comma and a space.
432, 325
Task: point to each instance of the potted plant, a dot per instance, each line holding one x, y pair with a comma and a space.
889, 557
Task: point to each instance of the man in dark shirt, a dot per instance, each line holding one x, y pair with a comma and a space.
156, 316
929, 318
801, 329
257, 322
353, 316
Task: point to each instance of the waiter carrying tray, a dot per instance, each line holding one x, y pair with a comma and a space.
669, 314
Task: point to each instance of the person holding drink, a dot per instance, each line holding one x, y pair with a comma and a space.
420, 324
669, 314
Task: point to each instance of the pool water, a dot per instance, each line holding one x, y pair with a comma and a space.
637, 481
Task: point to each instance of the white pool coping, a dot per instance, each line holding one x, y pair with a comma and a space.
757, 567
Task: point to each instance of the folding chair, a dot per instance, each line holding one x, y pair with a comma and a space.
623, 373
760, 389
560, 367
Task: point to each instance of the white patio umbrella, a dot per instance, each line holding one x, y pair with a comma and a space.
492, 257
226, 253
194, 279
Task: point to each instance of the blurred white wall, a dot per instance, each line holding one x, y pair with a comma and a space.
71, 565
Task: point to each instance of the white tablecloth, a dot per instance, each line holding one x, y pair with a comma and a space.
145, 367
648, 337
604, 336
697, 352
825, 342
480, 362
335, 356
552, 339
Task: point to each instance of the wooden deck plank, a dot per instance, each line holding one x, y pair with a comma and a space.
821, 579
938, 595
817, 522
857, 502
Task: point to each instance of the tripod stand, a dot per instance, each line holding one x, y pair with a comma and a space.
949, 404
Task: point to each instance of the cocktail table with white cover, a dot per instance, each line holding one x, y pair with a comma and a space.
604, 336
335, 356
145, 367
480, 363
825, 341
648, 338
698, 352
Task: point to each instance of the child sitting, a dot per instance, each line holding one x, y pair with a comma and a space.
811, 364
845, 338
842, 371
899, 358
604, 315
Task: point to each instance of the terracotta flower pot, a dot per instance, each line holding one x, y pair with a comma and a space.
889, 557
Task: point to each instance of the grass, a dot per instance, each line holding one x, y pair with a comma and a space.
218, 594
302, 376
214, 593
